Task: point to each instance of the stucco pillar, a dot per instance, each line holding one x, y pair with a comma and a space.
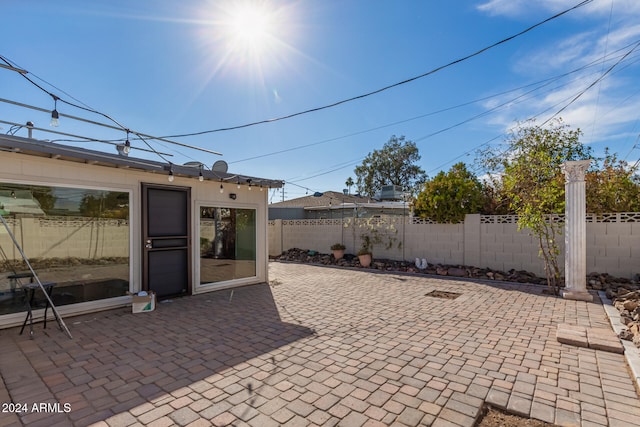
472, 253
575, 231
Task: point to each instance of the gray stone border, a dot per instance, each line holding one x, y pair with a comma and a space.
631, 352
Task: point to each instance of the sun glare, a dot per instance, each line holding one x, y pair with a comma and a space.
250, 29
250, 25
249, 40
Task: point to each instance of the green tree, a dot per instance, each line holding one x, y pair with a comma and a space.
612, 187
530, 175
495, 200
449, 196
349, 183
394, 164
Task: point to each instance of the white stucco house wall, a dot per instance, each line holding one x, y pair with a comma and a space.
103, 226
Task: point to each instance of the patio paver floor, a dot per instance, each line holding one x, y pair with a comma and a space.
322, 346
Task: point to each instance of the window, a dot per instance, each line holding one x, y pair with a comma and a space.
227, 244
76, 238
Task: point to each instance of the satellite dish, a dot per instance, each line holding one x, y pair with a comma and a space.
220, 166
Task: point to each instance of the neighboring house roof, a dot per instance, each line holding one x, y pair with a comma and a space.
372, 205
328, 198
39, 148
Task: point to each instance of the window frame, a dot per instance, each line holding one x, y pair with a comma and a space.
206, 287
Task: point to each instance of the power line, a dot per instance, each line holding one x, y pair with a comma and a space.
86, 108
141, 136
572, 100
333, 169
91, 110
57, 98
85, 138
582, 92
350, 99
501, 105
432, 113
540, 84
391, 86
606, 45
592, 84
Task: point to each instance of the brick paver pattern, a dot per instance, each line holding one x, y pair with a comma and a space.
326, 347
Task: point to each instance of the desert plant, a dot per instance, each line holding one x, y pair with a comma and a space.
363, 251
530, 175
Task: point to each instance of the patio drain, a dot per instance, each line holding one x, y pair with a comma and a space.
442, 294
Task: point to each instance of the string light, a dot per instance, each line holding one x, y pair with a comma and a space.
171, 177
221, 189
238, 185
249, 181
54, 114
200, 176
127, 144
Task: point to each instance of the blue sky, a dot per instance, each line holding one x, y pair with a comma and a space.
163, 67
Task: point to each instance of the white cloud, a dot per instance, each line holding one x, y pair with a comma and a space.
514, 8
605, 110
621, 37
602, 112
577, 49
502, 7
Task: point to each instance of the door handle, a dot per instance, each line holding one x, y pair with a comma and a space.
148, 245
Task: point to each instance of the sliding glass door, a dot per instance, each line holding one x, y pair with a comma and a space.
227, 244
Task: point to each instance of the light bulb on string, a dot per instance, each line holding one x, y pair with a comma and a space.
171, 177
54, 113
221, 189
127, 145
200, 176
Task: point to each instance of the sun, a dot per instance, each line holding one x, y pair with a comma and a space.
249, 40
250, 26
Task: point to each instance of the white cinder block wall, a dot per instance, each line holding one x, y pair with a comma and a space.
613, 246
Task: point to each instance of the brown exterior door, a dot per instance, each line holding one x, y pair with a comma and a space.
166, 240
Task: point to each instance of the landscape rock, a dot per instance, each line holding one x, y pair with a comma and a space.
628, 304
626, 335
614, 287
441, 271
457, 272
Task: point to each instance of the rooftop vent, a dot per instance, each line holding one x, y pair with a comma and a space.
391, 192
